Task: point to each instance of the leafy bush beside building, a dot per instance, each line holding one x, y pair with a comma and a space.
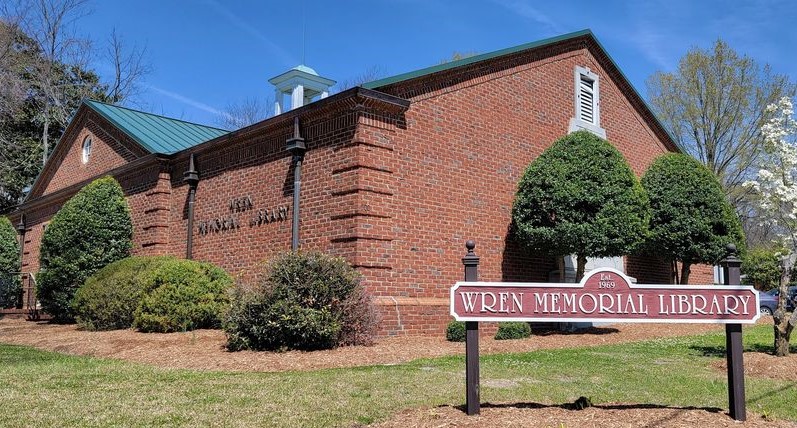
90, 231
581, 197
513, 330
306, 301
154, 294
691, 220
10, 286
109, 298
182, 295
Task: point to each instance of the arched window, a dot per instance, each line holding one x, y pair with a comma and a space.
86, 149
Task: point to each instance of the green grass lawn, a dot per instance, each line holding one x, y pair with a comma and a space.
48, 389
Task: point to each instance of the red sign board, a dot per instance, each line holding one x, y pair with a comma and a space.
604, 295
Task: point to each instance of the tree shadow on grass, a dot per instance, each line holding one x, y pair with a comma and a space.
719, 351
594, 331
572, 406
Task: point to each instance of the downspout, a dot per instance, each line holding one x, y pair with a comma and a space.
297, 148
21, 228
191, 177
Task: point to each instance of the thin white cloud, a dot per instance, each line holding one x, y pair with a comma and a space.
652, 45
283, 55
189, 101
526, 10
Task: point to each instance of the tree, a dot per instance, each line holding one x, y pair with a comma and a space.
714, 107
44, 75
90, 231
775, 188
581, 197
129, 65
762, 267
10, 287
372, 73
691, 221
247, 112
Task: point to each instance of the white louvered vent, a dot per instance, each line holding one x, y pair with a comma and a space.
586, 96
587, 104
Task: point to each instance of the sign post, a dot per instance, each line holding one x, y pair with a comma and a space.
606, 295
733, 344
471, 262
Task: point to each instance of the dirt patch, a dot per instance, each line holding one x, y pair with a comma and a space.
204, 349
604, 415
759, 364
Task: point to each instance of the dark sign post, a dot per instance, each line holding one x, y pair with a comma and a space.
471, 262
733, 343
606, 295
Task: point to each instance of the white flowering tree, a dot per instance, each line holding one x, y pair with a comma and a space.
776, 191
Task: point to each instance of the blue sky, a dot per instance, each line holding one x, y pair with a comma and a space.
207, 54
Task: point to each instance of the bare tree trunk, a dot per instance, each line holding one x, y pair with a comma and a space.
783, 329
581, 263
560, 264
674, 267
45, 135
685, 271
783, 324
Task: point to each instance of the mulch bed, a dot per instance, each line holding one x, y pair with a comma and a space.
204, 350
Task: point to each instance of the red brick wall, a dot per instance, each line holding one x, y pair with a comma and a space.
108, 151
143, 191
258, 167
148, 192
456, 166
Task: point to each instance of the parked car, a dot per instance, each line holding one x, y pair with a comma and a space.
769, 300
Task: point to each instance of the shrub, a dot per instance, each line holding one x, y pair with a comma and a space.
306, 301
455, 331
110, 297
182, 295
90, 231
763, 267
10, 286
691, 221
513, 330
580, 197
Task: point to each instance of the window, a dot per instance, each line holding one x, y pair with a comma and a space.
587, 103
86, 150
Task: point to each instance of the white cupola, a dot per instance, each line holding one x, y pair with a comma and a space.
303, 85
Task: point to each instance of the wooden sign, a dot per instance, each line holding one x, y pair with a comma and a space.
604, 295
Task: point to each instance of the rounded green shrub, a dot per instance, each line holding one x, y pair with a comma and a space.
182, 295
306, 301
581, 197
692, 222
10, 286
455, 331
110, 297
91, 230
513, 330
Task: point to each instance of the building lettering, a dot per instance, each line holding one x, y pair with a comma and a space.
232, 221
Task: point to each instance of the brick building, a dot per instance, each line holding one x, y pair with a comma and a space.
398, 173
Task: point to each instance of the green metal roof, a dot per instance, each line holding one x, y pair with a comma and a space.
156, 134
471, 59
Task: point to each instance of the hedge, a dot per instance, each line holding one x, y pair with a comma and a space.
92, 230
